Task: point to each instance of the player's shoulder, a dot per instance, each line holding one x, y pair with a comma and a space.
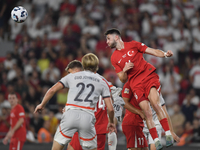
133, 43
19, 107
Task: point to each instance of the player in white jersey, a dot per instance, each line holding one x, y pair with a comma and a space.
85, 87
118, 104
158, 126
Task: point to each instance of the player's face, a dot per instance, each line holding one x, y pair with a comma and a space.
12, 98
110, 40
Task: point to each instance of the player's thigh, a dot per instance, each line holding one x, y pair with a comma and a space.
87, 132
67, 128
57, 146
16, 144
101, 141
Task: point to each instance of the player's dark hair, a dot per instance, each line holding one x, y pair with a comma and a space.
13, 93
113, 31
74, 64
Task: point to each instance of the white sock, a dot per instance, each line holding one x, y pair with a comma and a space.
112, 141
168, 132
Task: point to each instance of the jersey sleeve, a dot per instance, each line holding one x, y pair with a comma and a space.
126, 92
115, 65
106, 89
140, 46
64, 80
20, 112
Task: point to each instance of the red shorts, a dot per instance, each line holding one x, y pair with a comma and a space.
134, 136
16, 144
101, 141
144, 87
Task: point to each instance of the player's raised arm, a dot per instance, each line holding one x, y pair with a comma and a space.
158, 53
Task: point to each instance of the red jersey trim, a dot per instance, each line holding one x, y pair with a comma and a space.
80, 106
64, 134
88, 139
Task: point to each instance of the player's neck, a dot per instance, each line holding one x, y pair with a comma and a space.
120, 45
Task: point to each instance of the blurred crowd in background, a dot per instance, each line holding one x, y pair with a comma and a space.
59, 31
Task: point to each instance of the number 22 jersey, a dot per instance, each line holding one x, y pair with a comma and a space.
85, 87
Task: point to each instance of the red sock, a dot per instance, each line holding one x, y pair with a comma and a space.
153, 133
164, 124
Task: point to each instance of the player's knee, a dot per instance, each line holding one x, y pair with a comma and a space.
157, 107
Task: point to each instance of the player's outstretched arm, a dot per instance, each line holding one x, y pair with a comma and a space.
176, 138
110, 109
158, 53
132, 109
49, 94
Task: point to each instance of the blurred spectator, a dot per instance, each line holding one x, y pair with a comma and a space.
43, 62
196, 43
30, 67
9, 61
11, 89
36, 122
195, 77
32, 97
53, 72
44, 136
177, 119
194, 98
196, 131
187, 135
170, 85
54, 122
34, 81
4, 120
21, 87
148, 6
189, 109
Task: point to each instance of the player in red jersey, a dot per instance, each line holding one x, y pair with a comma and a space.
133, 124
17, 132
128, 61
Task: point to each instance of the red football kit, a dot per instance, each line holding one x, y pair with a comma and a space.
132, 124
19, 137
100, 126
142, 76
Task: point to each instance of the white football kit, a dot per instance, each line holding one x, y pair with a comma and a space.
85, 87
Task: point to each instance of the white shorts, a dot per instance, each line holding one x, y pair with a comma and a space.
148, 135
77, 121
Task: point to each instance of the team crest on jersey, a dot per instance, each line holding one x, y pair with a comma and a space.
126, 91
